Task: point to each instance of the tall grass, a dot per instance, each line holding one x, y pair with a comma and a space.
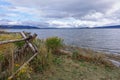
44, 59
7, 55
6, 62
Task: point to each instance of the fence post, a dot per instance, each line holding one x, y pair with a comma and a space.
12, 66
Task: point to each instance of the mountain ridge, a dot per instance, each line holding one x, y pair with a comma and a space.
18, 27
35, 27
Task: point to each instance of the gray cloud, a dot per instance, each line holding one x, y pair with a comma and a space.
93, 12
75, 8
35, 23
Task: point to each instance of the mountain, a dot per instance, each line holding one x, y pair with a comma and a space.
17, 27
34, 27
108, 27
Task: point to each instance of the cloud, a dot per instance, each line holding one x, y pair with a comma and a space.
72, 22
75, 8
64, 13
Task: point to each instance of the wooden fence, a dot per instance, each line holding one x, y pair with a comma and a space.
27, 38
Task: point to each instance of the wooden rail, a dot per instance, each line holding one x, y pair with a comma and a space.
28, 40
12, 41
3, 32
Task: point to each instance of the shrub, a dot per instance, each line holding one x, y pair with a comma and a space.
54, 43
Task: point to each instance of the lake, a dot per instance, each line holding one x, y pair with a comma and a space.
107, 40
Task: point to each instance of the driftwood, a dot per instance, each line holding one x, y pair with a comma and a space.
64, 52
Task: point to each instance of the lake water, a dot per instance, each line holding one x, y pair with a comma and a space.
107, 40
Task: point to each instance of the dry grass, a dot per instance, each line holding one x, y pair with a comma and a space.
69, 69
83, 54
5, 48
3, 37
44, 59
6, 51
9, 37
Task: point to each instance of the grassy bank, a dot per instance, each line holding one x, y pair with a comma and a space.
72, 63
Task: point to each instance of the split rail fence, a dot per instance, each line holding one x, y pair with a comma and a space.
27, 38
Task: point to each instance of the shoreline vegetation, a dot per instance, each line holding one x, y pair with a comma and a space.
57, 61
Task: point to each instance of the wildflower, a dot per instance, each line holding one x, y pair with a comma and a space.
17, 65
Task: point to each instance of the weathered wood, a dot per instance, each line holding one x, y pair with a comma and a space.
28, 42
12, 68
4, 32
11, 77
11, 41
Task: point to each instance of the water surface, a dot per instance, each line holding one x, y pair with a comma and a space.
107, 40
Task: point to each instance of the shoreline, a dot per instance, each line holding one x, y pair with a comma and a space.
112, 57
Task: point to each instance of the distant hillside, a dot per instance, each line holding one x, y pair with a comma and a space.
34, 27
107, 27
17, 27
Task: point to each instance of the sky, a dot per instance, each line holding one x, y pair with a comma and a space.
60, 13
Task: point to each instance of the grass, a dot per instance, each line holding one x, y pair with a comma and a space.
69, 69
91, 56
84, 64
6, 51
44, 59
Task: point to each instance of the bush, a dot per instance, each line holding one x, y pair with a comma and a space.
54, 43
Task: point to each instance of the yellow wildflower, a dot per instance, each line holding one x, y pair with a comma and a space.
17, 65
